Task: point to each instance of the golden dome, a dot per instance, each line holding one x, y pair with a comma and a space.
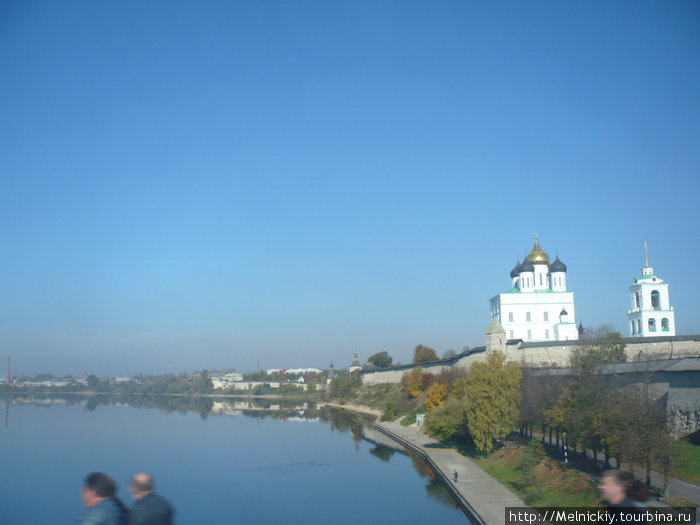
537, 255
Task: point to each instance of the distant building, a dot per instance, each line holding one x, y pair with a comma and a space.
537, 307
356, 365
227, 380
293, 371
651, 314
331, 374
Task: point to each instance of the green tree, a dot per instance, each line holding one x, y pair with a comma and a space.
636, 429
606, 348
380, 359
343, 384
492, 395
92, 380
413, 382
424, 353
581, 409
202, 383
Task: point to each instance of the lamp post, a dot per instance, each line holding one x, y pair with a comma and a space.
566, 452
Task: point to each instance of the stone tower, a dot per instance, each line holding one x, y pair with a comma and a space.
495, 337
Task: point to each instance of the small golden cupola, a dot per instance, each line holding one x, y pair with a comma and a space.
537, 255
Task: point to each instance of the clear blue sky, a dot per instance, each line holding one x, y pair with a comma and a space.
189, 185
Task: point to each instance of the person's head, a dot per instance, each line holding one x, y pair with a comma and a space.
141, 484
613, 481
614, 485
97, 487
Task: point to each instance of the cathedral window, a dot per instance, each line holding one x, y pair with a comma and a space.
652, 325
655, 300
512, 335
664, 324
546, 334
529, 334
510, 317
546, 316
528, 317
632, 327
636, 299
639, 326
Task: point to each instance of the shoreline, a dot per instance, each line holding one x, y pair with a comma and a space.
360, 409
481, 497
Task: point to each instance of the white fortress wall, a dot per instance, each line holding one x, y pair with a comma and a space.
554, 354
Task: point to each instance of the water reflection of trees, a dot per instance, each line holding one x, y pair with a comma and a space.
346, 421
382, 452
434, 487
354, 423
170, 403
438, 492
202, 405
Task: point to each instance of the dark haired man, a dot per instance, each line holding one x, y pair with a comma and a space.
149, 508
99, 496
623, 494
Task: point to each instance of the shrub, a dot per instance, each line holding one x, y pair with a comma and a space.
447, 421
530, 459
390, 413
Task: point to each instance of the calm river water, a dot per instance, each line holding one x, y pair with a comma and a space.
219, 462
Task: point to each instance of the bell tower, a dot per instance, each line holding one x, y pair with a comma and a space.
651, 314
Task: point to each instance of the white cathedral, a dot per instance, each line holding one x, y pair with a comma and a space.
651, 314
537, 307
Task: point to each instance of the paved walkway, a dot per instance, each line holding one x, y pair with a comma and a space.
482, 497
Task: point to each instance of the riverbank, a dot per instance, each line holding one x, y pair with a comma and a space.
482, 498
355, 408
